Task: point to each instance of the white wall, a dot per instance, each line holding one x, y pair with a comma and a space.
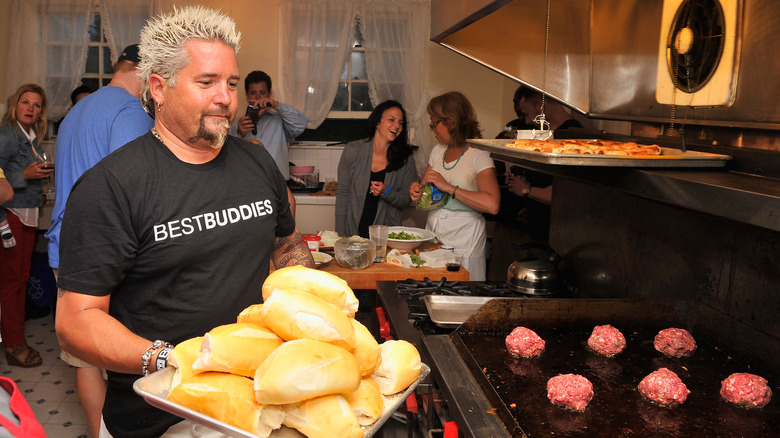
489, 92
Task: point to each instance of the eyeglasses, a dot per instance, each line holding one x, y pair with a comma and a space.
434, 124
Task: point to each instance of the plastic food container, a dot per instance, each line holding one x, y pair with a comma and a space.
313, 241
301, 170
355, 252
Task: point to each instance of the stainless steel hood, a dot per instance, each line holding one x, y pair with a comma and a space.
602, 57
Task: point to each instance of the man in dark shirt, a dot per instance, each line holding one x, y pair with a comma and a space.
172, 234
525, 202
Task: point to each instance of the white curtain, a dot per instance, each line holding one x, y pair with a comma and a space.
49, 49
52, 49
314, 42
315, 38
124, 19
395, 35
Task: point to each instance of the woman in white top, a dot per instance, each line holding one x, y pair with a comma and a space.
467, 174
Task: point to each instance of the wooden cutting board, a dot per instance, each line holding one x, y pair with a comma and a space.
367, 278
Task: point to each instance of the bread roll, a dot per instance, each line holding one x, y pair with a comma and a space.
228, 398
237, 348
367, 351
302, 369
324, 417
367, 402
400, 366
182, 357
293, 314
287, 432
251, 315
319, 283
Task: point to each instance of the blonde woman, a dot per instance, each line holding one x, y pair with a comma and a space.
23, 125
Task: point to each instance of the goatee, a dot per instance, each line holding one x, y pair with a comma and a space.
215, 138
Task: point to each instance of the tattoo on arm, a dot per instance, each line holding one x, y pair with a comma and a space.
291, 250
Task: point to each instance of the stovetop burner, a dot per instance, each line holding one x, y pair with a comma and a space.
413, 291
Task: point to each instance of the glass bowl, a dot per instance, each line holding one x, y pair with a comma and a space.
355, 252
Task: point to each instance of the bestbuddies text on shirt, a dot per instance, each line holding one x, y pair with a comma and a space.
206, 221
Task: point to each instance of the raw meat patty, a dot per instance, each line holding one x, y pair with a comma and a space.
746, 390
606, 340
524, 342
570, 391
664, 387
675, 342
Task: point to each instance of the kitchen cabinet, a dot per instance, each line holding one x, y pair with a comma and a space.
314, 213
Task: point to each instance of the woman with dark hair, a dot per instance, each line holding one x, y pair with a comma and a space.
374, 174
23, 125
467, 174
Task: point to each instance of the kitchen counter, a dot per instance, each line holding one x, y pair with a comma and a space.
313, 199
367, 278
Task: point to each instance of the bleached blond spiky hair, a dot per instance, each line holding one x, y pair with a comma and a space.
163, 47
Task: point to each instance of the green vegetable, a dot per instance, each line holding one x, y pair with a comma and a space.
416, 260
403, 235
432, 198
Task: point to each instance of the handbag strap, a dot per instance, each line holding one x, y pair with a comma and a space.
28, 425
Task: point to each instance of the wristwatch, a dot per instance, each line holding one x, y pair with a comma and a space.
527, 191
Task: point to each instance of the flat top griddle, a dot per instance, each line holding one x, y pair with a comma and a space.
518, 385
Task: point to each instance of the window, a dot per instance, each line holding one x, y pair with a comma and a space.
352, 100
98, 69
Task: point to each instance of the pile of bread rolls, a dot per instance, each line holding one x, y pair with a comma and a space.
299, 360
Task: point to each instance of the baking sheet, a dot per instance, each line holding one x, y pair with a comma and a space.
154, 389
669, 157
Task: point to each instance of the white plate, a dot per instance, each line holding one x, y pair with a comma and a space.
320, 258
406, 245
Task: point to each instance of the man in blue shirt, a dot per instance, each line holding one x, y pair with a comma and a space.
97, 125
276, 123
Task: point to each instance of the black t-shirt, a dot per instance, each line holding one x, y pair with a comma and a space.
371, 205
181, 248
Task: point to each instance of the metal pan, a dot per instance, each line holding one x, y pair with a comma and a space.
448, 311
154, 389
669, 157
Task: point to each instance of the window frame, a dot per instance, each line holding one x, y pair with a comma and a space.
356, 48
103, 50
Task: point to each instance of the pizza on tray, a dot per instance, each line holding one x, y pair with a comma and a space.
585, 147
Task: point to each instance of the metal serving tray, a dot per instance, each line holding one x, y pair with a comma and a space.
669, 157
154, 389
449, 311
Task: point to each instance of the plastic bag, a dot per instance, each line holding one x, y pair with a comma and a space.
432, 198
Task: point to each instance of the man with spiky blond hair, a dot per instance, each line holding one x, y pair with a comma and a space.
172, 234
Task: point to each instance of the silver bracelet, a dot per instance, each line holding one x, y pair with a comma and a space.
147, 356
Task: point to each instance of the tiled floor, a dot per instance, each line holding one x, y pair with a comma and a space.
50, 389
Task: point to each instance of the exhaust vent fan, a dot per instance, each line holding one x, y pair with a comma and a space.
698, 53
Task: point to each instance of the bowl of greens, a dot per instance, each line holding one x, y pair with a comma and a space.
407, 238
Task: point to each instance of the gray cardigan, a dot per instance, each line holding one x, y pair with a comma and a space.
354, 175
